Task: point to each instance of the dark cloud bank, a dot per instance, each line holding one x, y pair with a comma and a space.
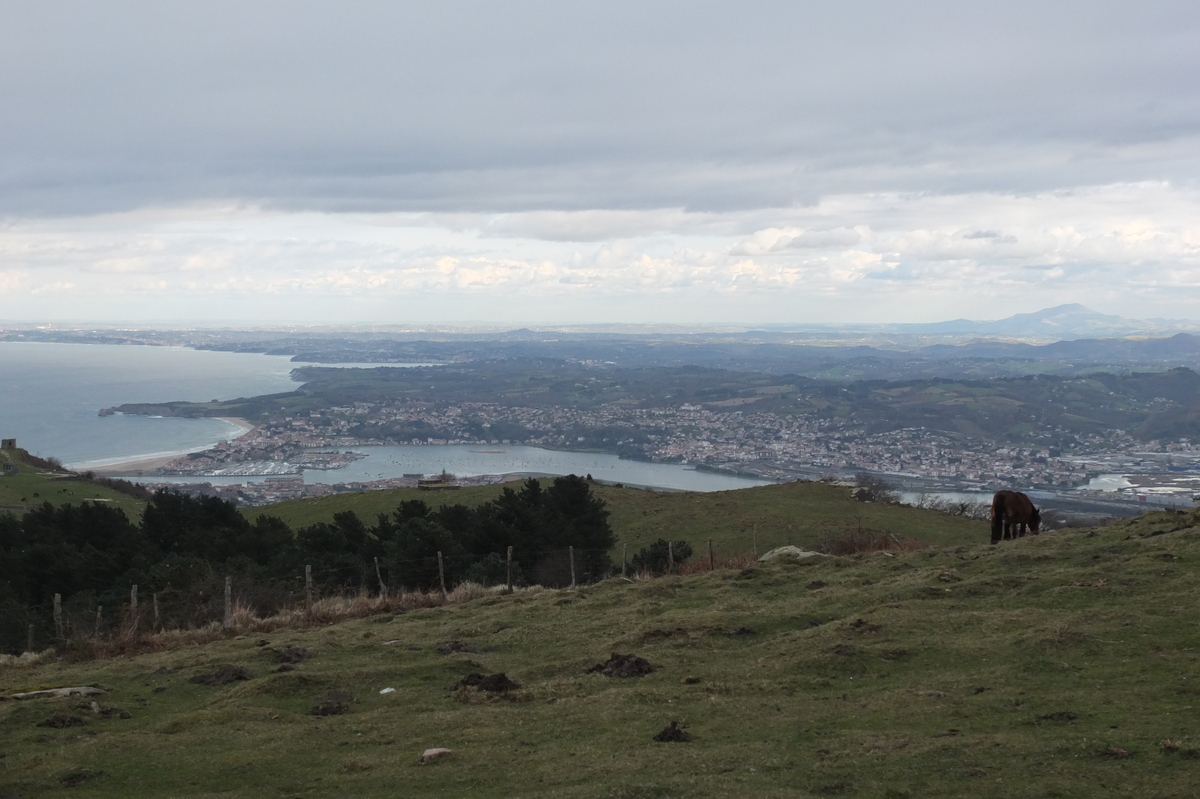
493, 107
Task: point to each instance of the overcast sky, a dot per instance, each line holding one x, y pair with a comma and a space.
597, 161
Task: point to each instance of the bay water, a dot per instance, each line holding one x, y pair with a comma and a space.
51, 395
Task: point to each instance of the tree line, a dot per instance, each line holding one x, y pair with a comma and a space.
184, 547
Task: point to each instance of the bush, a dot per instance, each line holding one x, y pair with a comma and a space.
873, 489
657, 557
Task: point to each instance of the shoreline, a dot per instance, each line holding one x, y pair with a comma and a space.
139, 465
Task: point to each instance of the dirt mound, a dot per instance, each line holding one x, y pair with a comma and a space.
225, 673
450, 647
60, 721
333, 703
673, 733
623, 666
115, 713
492, 683
293, 654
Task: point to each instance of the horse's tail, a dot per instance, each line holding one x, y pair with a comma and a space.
998, 516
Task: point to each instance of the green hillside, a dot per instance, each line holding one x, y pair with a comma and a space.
804, 514
34, 485
1066, 665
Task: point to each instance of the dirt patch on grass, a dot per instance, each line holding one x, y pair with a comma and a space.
1172, 747
224, 674
293, 654
491, 683
77, 777
61, 721
673, 733
1114, 753
453, 647
623, 666
864, 626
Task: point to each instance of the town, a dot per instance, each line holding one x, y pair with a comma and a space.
764, 445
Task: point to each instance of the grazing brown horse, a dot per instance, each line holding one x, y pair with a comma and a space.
1012, 511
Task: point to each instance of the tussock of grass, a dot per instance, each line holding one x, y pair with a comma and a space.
26, 659
245, 620
963, 670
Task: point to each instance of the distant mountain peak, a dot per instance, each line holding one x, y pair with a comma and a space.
1062, 322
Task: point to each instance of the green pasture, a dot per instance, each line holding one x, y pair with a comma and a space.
32, 487
804, 514
1066, 665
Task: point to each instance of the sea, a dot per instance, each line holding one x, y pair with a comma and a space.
51, 396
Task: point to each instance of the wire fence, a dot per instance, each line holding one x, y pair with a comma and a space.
321, 592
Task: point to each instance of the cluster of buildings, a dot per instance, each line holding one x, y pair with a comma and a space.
759, 444
773, 446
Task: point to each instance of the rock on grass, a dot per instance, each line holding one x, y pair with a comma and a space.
333, 703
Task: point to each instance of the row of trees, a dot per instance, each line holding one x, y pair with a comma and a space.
184, 546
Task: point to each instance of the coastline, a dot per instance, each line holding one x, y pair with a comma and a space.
139, 465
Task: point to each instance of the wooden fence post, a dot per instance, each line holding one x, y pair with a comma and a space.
383, 592
624, 559
712, 563
571, 554
133, 611
154, 598
58, 623
308, 590
99, 613
228, 603
670, 558
29, 640
442, 574
509, 580
755, 545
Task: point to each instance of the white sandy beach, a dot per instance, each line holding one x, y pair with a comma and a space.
142, 464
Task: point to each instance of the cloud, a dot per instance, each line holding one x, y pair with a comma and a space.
774, 240
595, 108
1132, 248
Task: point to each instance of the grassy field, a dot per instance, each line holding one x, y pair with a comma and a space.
1066, 665
33, 487
804, 514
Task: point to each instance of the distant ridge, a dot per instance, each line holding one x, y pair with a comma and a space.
1060, 322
